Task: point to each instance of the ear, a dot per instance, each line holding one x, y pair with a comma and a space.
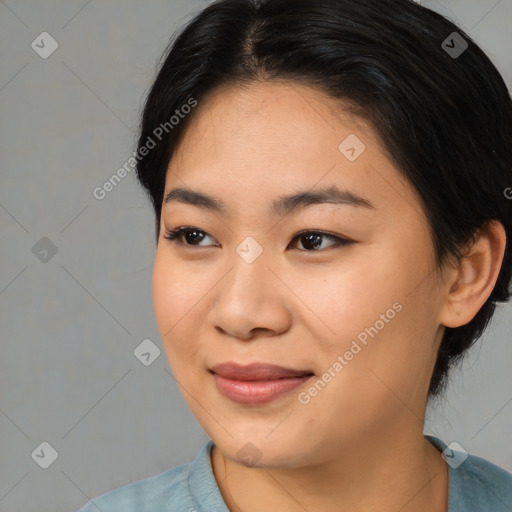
471, 282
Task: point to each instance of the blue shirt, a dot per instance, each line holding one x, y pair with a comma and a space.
474, 485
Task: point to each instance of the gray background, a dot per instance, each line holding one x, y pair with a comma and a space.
69, 326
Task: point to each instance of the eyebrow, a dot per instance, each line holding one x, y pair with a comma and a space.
280, 206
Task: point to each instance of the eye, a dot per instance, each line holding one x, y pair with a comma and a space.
309, 239
191, 234
312, 239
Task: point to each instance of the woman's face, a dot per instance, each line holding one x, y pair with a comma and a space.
245, 286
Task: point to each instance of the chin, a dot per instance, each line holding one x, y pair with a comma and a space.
264, 452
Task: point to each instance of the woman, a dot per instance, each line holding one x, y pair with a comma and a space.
331, 183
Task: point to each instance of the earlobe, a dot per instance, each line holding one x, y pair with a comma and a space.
473, 280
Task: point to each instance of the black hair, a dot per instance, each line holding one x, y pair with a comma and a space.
437, 102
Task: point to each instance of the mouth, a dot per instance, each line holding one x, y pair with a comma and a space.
257, 371
257, 383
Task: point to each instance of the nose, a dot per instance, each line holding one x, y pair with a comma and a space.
251, 300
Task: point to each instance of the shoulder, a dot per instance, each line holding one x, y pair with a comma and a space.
150, 494
483, 485
475, 483
156, 493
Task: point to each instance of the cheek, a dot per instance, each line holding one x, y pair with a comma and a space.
345, 299
177, 289
177, 299
369, 307
384, 319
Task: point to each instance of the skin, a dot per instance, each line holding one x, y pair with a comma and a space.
358, 444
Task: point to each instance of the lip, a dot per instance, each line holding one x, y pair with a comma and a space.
256, 371
257, 383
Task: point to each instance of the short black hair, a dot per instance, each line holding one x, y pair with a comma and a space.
441, 109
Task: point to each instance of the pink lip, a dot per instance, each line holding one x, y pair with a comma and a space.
256, 371
256, 383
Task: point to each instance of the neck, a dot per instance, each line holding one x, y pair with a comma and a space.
386, 473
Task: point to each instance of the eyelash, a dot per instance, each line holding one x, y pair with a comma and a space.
175, 235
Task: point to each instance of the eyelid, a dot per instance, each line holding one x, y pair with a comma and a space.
340, 241
174, 235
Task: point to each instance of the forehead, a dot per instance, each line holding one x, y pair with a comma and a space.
271, 138
281, 111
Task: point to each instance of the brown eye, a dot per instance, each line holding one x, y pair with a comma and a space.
193, 236
312, 240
